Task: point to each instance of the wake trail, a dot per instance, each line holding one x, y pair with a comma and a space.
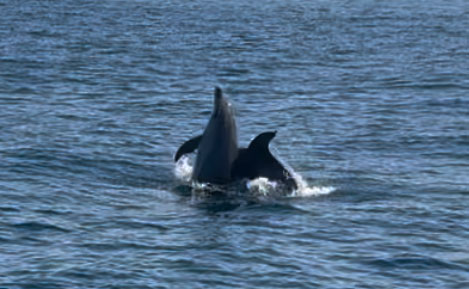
259, 186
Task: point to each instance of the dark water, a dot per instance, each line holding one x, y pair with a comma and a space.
370, 98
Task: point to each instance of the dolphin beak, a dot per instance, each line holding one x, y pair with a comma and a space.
218, 98
218, 92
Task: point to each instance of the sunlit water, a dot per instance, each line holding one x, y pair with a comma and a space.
369, 98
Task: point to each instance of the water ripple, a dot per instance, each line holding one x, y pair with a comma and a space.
370, 104
37, 226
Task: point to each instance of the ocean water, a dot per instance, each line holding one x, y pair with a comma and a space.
370, 100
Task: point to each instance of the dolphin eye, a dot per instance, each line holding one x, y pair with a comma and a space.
232, 108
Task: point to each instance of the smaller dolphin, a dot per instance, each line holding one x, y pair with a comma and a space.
257, 161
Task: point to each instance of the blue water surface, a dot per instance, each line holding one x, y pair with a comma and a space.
370, 98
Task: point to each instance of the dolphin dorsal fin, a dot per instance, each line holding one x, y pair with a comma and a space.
261, 142
188, 147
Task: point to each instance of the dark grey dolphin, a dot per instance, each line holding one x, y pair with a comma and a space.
217, 146
220, 161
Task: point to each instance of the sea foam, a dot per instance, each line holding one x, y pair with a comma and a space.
259, 186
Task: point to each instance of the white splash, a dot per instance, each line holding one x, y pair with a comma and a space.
262, 186
304, 190
266, 187
183, 169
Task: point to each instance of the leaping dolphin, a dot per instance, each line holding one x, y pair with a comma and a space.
220, 161
217, 147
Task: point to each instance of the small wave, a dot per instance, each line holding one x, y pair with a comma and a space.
119, 246
305, 190
421, 263
9, 209
266, 187
141, 225
36, 226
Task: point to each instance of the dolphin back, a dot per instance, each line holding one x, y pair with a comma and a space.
257, 161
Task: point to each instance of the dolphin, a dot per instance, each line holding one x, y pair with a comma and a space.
257, 161
220, 161
217, 147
